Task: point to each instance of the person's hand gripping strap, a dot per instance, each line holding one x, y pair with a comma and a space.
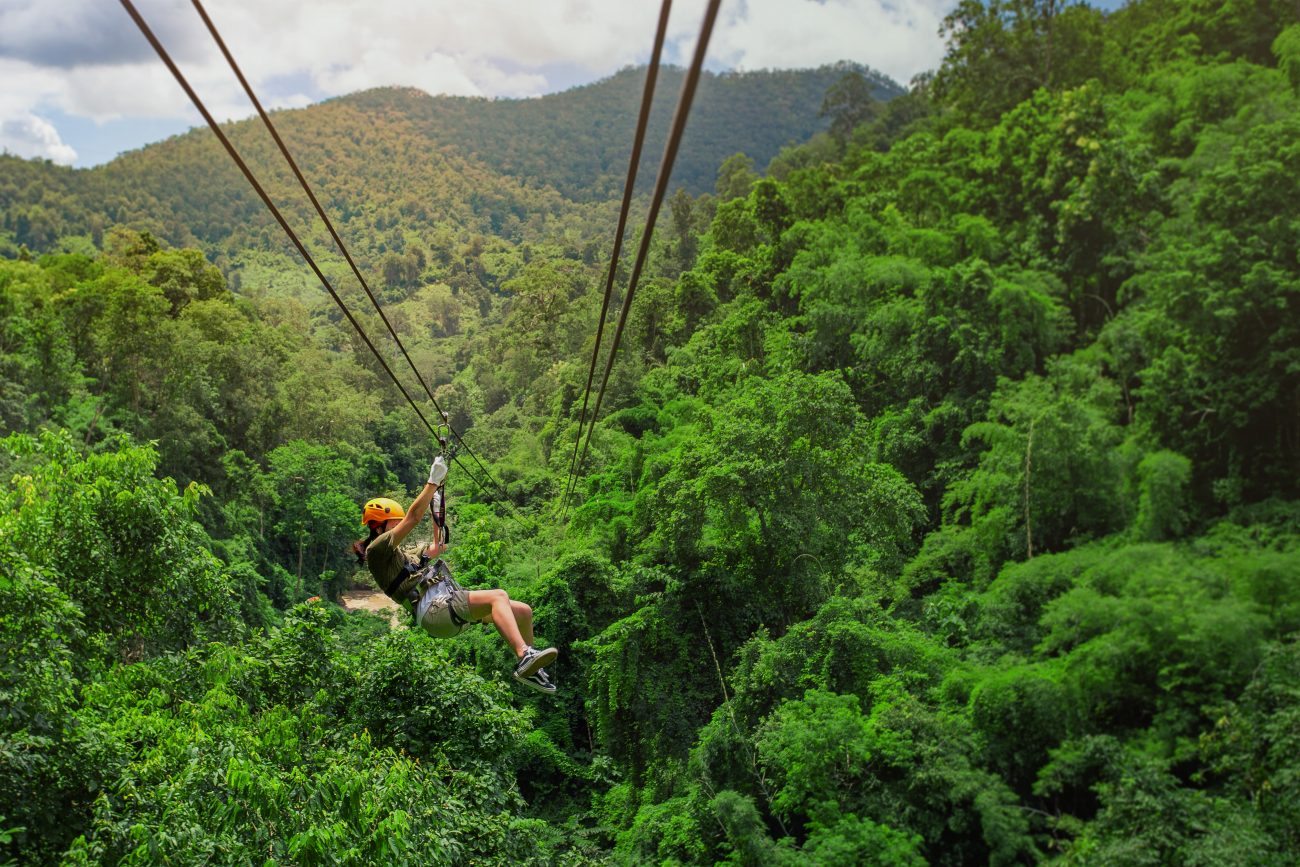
438, 471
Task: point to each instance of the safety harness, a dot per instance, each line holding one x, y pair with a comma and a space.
429, 574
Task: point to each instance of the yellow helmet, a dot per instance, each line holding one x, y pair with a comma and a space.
381, 509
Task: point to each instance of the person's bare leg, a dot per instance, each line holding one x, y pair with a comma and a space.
523, 617
496, 604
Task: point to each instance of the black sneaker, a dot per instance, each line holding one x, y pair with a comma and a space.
534, 659
540, 681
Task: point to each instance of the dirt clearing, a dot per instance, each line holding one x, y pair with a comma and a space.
373, 600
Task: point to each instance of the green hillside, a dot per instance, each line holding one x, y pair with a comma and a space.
944, 507
397, 165
384, 181
578, 141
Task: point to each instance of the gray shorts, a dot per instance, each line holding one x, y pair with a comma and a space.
443, 609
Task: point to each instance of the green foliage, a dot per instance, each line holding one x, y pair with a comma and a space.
120, 543
849, 103
1011, 608
438, 714
479, 555
311, 510
1252, 744
39, 375
1218, 363
1049, 474
845, 647
746, 836
735, 178
762, 110
1287, 49
647, 687
184, 276
1161, 508
521, 171
753, 481
40, 630
820, 748
237, 757
1148, 818
1000, 51
1021, 713
856, 840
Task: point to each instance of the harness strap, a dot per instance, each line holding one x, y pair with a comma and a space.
391, 590
439, 513
408, 569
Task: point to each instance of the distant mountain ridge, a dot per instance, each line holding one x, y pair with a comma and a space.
579, 140
396, 164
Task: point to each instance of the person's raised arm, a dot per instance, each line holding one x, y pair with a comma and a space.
437, 473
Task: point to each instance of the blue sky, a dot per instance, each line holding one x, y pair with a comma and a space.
81, 85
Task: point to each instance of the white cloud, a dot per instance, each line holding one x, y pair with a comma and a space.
30, 136
142, 90
899, 39
88, 61
381, 64
72, 32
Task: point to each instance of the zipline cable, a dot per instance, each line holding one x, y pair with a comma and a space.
647, 97
661, 187
329, 225
275, 212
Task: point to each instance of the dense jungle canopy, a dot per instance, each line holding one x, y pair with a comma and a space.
945, 506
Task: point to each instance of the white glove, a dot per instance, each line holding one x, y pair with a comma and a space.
438, 471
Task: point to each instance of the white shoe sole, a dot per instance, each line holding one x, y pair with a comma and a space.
535, 686
541, 659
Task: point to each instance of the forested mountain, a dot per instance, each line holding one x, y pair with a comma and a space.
397, 163
578, 141
385, 181
944, 508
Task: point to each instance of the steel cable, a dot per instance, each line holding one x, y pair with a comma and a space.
647, 97
661, 188
275, 212
329, 225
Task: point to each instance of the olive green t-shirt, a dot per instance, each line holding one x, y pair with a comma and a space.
386, 560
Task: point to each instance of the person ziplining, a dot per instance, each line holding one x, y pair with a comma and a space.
419, 580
